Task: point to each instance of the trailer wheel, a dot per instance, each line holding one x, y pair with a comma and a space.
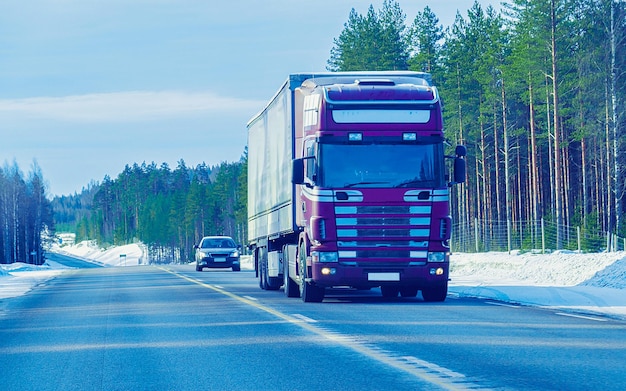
262, 266
272, 283
310, 293
265, 281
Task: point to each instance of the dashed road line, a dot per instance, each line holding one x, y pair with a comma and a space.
304, 318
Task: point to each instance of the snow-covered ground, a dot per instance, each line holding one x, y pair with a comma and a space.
571, 282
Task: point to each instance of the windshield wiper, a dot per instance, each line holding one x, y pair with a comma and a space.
363, 183
412, 182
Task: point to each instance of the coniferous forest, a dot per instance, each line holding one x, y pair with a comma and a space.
535, 90
25, 215
169, 210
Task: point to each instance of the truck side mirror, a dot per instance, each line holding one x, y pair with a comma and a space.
297, 171
459, 164
459, 170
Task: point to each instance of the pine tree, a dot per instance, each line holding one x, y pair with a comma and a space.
425, 37
376, 41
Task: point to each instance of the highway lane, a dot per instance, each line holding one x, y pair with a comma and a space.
165, 328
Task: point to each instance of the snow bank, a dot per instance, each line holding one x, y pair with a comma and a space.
127, 255
555, 269
571, 282
18, 278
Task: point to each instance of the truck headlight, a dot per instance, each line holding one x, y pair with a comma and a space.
323, 256
436, 256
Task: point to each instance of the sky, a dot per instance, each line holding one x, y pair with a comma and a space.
590, 285
89, 86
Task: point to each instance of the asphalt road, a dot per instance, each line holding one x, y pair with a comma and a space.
171, 328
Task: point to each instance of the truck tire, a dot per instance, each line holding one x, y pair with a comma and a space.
408, 291
389, 292
291, 288
261, 268
435, 293
309, 292
266, 282
272, 283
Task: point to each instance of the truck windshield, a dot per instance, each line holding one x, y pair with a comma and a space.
381, 165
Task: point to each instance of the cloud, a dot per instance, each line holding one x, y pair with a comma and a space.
128, 106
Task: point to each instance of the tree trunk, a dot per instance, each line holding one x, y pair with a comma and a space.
558, 196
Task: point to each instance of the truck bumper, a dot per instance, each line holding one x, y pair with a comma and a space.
422, 276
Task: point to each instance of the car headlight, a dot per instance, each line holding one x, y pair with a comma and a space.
234, 254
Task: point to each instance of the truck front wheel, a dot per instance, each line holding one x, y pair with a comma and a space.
309, 292
435, 293
291, 288
389, 292
408, 291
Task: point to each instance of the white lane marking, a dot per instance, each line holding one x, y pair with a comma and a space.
304, 318
247, 297
502, 304
433, 367
581, 316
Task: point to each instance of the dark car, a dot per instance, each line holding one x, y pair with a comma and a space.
217, 252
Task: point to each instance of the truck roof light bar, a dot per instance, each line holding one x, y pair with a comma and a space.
375, 82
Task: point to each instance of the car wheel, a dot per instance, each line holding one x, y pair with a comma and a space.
198, 269
236, 268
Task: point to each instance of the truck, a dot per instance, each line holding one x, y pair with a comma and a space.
348, 186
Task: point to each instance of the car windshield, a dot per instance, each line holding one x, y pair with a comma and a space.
218, 243
381, 165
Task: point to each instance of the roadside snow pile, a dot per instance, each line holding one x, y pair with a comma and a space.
127, 255
614, 276
18, 278
570, 282
562, 268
